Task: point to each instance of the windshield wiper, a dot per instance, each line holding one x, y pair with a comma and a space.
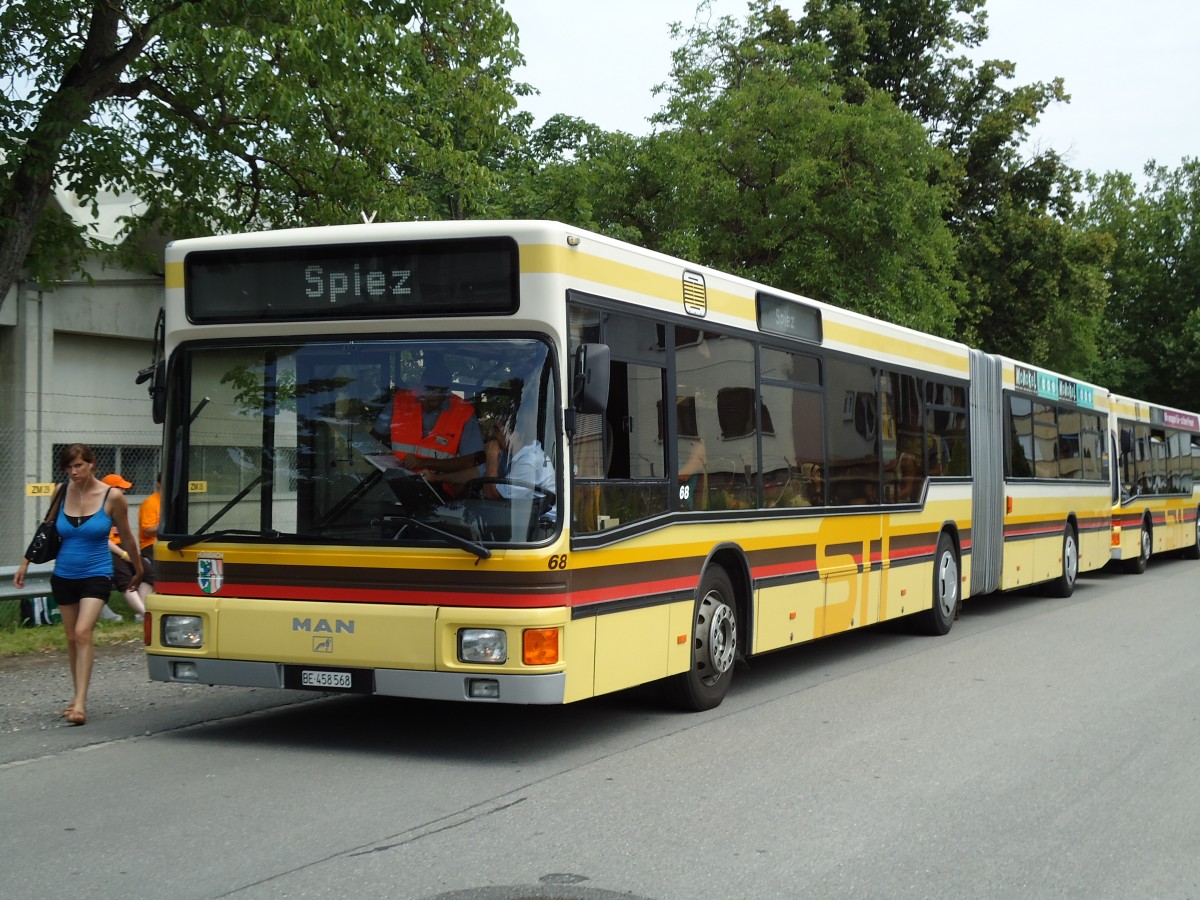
449, 537
236, 499
269, 534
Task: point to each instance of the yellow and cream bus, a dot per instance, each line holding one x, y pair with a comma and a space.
705, 469
1156, 489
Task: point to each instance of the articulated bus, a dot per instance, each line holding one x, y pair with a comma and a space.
1156, 489
680, 468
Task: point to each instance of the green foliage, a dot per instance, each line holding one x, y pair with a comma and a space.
249, 385
571, 171
1038, 289
899, 47
225, 115
858, 156
1034, 286
855, 154
760, 166
19, 640
1152, 327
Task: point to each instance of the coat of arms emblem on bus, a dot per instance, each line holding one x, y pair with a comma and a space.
210, 573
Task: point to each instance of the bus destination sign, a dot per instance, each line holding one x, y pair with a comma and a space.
778, 315
472, 276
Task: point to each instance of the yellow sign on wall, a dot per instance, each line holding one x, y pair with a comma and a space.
40, 489
197, 487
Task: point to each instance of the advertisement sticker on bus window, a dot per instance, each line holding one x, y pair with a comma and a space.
1178, 420
1037, 382
1051, 387
695, 295
1047, 386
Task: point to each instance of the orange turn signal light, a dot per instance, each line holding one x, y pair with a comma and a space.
539, 647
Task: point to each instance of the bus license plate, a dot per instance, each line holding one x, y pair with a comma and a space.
336, 680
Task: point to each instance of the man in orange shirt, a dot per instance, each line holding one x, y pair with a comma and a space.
148, 515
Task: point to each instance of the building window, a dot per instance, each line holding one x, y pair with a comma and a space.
138, 465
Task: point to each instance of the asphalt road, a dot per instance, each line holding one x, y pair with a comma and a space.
1044, 748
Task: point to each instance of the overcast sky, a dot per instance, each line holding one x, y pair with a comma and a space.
1132, 69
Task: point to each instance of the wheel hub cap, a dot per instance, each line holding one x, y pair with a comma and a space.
716, 638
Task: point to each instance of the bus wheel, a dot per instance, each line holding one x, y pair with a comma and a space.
714, 646
1138, 566
940, 617
1192, 551
1064, 584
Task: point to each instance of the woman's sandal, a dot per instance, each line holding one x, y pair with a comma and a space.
66, 712
75, 717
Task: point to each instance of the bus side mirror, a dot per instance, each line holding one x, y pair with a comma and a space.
589, 382
156, 372
158, 393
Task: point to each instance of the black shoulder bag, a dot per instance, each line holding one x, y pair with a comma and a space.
47, 540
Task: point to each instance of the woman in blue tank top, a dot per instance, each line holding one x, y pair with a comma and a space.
82, 579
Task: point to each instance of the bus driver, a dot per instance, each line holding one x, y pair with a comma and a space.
431, 430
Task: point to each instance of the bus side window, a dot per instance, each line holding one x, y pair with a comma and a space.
620, 458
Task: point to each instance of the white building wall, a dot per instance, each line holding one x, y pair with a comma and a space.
69, 358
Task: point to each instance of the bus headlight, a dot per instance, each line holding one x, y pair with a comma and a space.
182, 631
482, 645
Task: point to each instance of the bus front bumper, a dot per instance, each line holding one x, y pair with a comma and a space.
473, 687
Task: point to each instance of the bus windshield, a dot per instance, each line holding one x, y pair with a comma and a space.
423, 442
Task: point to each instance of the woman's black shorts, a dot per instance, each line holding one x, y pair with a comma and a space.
69, 591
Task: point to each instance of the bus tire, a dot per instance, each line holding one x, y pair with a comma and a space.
939, 618
1137, 565
1192, 551
1064, 584
714, 646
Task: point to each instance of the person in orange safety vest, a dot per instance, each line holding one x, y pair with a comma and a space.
432, 430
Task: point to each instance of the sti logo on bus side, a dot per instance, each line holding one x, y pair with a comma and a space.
322, 626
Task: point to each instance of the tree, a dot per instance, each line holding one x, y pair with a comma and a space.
1036, 282
768, 171
900, 47
1035, 285
234, 114
575, 172
1151, 337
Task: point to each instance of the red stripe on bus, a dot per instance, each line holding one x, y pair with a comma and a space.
421, 597
425, 597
